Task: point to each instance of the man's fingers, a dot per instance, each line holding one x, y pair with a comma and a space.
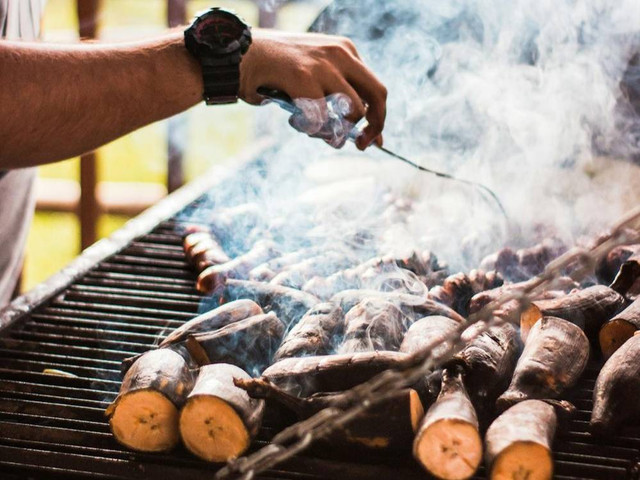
352, 47
369, 137
310, 68
376, 114
374, 93
369, 89
252, 97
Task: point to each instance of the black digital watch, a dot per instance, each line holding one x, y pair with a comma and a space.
218, 38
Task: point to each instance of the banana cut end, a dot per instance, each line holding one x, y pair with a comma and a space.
613, 334
528, 319
523, 460
212, 429
450, 449
146, 421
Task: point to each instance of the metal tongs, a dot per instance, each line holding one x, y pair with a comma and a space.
348, 131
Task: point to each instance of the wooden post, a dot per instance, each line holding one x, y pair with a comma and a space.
268, 13
176, 13
176, 127
89, 210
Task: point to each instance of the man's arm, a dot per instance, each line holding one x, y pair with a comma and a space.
58, 101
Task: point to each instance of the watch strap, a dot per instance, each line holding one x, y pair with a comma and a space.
221, 83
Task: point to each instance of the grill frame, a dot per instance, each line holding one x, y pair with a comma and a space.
54, 427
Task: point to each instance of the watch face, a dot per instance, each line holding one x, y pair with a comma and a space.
220, 30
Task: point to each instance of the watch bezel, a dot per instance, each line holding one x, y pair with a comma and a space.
202, 50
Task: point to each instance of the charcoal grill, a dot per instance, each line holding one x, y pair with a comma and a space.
117, 300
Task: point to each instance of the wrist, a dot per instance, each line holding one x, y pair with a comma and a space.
186, 76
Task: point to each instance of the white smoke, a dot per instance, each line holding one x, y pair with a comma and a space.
521, 96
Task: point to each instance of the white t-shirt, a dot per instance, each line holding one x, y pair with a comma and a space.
19, 19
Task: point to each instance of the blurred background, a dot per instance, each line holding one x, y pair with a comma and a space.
132, 173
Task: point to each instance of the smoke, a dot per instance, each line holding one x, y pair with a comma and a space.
522, 97
531, 99
374, 324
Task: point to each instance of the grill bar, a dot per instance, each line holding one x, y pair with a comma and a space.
102, 274
39, 366
67, 359
98, 333
120, 299
111, 299
73, 350
169, 265
125, 319
146, 270
15, 395
91, 342
148, 294
71, 393
139, 284
125, 327
47, 379
163, 238
152, 250
126, 309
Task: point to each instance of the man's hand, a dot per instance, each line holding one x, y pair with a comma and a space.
312, 67
59, 101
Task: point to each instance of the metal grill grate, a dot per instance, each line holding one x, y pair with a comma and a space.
54, 426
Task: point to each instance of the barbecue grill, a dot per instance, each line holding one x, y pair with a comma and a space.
118, 299
62, 344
